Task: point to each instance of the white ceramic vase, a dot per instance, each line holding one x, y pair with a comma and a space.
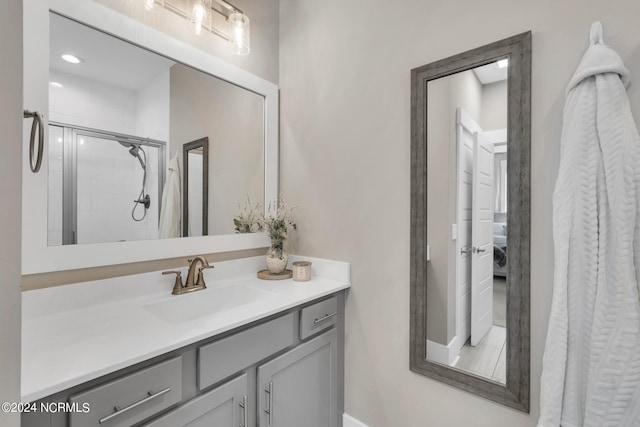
276, 260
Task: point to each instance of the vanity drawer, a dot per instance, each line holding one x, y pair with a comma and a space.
138, 396
219, 360
318, 317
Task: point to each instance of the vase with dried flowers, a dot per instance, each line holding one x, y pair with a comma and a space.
249, 218
277, 222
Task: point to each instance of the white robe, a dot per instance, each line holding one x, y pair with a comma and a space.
591, 365
171, 212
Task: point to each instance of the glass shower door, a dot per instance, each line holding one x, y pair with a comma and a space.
103, 187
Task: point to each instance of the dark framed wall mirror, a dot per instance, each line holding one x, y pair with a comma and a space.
195, 183
470, 220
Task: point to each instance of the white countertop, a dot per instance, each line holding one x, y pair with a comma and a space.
75, 333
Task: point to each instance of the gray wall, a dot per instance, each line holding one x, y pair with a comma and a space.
11, 195
494, 106
438, 221
345, 158
233, 119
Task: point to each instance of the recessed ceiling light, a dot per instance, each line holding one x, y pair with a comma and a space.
72, 59
56, 84
503, 63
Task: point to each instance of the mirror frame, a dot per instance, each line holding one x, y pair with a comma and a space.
37, 257
204, 144
515, 393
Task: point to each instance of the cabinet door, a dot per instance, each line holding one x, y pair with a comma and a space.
299, 388
225, 406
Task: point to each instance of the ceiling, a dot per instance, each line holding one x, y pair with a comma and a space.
106, 59
491, 73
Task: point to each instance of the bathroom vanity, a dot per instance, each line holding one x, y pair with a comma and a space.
243, 352
124, 351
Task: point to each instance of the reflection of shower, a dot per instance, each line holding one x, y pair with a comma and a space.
143, 199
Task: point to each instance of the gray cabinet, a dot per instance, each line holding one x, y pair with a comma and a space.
224, 406
300, 388
283, 371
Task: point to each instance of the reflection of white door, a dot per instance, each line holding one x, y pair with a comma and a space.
465, 129
482, 239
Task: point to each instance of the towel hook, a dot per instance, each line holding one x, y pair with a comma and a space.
36, 124
595, 35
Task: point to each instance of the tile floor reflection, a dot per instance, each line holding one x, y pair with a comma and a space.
488, 358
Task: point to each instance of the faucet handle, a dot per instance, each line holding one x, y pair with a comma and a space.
177, 286
176, 272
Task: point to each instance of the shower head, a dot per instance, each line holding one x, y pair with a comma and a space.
134, 150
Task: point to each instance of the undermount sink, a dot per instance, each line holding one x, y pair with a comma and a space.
184, 308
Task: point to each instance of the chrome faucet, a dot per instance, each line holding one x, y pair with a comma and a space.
195, 278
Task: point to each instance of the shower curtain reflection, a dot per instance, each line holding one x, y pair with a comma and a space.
104, 187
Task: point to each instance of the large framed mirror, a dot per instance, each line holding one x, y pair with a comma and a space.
470, 220
116, 119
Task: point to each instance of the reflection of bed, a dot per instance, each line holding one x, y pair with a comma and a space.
500, 244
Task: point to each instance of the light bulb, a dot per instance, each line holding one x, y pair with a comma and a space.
240, 33
72, 59
238, 38
153, 5
199, 15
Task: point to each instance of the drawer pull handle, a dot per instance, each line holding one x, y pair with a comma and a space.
325, 317
243, 405
119, 411
270, 392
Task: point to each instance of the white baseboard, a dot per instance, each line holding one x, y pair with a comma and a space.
444, 354
349, 421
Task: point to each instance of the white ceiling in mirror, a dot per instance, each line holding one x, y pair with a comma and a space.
491, 73
38, 257
105, 59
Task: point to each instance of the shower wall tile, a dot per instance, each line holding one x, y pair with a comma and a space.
87, 103
153, 106
109, 179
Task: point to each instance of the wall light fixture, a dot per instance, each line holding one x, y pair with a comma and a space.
236, 26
